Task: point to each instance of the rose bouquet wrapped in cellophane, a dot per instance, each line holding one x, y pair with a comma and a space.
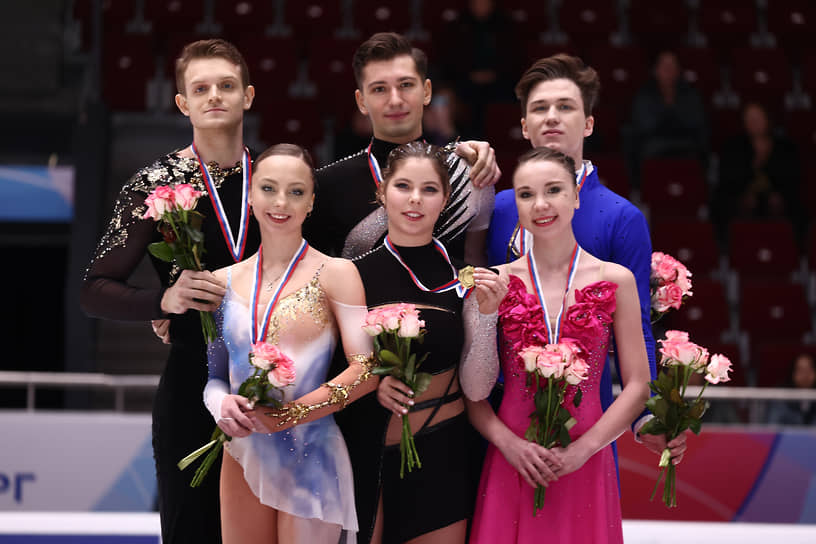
673, 414
272, 370
670, 284
393, 329
555, 370
173, 207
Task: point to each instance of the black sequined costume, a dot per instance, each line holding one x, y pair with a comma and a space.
181, 423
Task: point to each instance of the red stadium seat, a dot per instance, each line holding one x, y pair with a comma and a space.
727, 23
127, 65
330, 69
372, 16
673, 188
588, 22
651, 20
774, 361
701, 69
503, 128
612, 172
437, 14
313, 18
809, 75
292, 121
792, 23
724, 124
763, 249
771, 310
801, 128
173, 15
622, 70
690, 241
705, 315
242, 18
761, 74
273, 65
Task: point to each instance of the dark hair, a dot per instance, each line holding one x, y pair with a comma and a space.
206, 49
561, 66
546, 154
418, 150
289, 150
386, 46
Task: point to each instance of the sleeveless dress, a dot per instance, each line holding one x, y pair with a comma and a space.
305, 470
583, 506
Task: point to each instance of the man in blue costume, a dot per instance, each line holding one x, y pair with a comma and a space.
557, 96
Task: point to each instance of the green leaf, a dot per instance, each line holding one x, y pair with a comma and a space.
698, 409
654, 426
564, 437
161, 251
410, 368
421, 383
576, 400
675, 397
389, 357
694, 425
658, 406
382, 370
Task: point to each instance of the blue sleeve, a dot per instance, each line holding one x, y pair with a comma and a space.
502, 224
632, 248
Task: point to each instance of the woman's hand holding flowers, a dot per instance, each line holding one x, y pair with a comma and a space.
394, 395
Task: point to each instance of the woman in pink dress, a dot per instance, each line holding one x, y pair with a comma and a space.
581, 298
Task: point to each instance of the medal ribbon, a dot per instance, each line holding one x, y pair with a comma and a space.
453, 284
258, 331
236, 246
523, 238
374, 166
554, 335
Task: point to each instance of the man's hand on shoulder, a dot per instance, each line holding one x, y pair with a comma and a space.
484, 170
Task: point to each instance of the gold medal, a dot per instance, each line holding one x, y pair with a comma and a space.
466, 277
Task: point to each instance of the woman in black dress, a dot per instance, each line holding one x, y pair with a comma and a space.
433, 503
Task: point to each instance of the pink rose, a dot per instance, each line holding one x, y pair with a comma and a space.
550, 362
577, 372
530, 356
266, 355
702, 360
158, 202
410, 325
676, 336
718, 369
683, 280
372, 325
284, 372
677, 349
667, 296
664, 267
186, 196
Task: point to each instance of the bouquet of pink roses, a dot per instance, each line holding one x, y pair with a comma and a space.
670, 283
272, 371
672, 414
173, 207
562, 366
393, 329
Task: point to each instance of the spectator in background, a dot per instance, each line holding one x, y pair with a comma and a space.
759, 174
668, 119
797, 412
478, 51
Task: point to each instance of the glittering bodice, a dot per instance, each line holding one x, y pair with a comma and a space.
521, 323
301, 325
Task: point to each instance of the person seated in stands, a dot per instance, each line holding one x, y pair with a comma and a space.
802, 375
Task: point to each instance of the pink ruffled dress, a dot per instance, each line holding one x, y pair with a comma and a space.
583, 506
